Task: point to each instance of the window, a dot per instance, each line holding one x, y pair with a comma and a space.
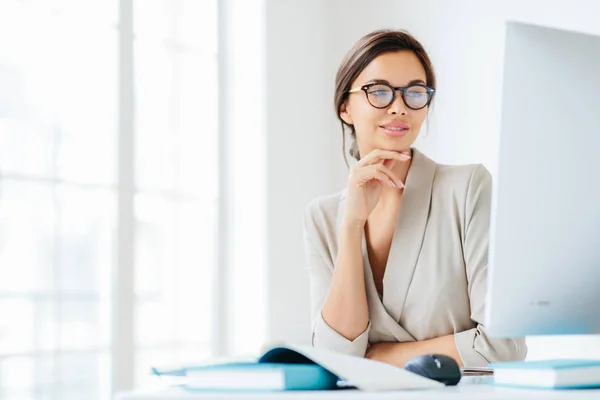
176, 195
61, 194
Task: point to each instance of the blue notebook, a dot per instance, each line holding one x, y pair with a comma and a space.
256, 377
279, 369
293, 367
548, 374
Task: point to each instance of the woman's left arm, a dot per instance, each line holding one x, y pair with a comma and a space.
473, 347
399, 353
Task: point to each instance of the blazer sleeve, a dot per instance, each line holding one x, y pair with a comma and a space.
320, 271
475, 346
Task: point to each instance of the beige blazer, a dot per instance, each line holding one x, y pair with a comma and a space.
435, 278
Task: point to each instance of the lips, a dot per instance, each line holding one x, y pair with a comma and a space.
395, 128
395, 124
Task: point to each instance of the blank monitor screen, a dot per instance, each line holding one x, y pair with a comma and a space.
544, 265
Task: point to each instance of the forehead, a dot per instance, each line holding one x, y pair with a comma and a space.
398, 68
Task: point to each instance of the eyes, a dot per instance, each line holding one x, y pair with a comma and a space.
382, 95
379, 92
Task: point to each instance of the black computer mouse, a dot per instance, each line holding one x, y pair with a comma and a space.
438, 367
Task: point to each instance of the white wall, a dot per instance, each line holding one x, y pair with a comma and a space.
298, 162
305, 43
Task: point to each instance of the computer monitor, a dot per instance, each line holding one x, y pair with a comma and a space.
544, 255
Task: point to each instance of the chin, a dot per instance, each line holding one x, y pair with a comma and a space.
398, 144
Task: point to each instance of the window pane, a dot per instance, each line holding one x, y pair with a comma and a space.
25, 146
26, 378
16, 326
155, 151
83, 376
196, 254
87, 105
190, 24
101, 13
197, 25
154, 244
153, 19
82, 325
197, 121
77, 377
83, 391
27, 237
154, 266
87, 220
155, 321
37, 377
190, 355
26, 134
61, 97
45, 329
175, 262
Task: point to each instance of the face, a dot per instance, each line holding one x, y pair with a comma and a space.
382, 128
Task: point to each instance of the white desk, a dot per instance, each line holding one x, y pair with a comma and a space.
465, 391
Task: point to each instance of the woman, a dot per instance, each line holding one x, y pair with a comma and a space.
397, 261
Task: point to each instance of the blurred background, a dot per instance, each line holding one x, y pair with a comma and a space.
156, 157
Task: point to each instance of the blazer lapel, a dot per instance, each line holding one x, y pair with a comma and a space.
409, 234
381, 321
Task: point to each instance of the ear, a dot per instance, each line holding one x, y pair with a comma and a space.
345, 114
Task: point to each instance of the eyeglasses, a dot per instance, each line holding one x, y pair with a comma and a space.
381, 95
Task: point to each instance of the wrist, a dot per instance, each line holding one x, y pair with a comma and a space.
353, 225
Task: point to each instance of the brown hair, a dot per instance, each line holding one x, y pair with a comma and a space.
356, 60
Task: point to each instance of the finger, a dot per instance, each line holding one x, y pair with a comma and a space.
390, 174
389, 164
380, 173
367, 175
384, 179
378, 154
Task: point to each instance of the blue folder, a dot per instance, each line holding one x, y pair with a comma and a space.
278, 369
587, 373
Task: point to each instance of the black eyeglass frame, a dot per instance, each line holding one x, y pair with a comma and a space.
365, 88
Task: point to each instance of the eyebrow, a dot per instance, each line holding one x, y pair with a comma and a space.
414, 81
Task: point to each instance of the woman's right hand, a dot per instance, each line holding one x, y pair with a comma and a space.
366, 181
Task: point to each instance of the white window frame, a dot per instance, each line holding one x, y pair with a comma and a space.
232, 288
223, 328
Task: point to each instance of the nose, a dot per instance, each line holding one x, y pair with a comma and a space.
397, 106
